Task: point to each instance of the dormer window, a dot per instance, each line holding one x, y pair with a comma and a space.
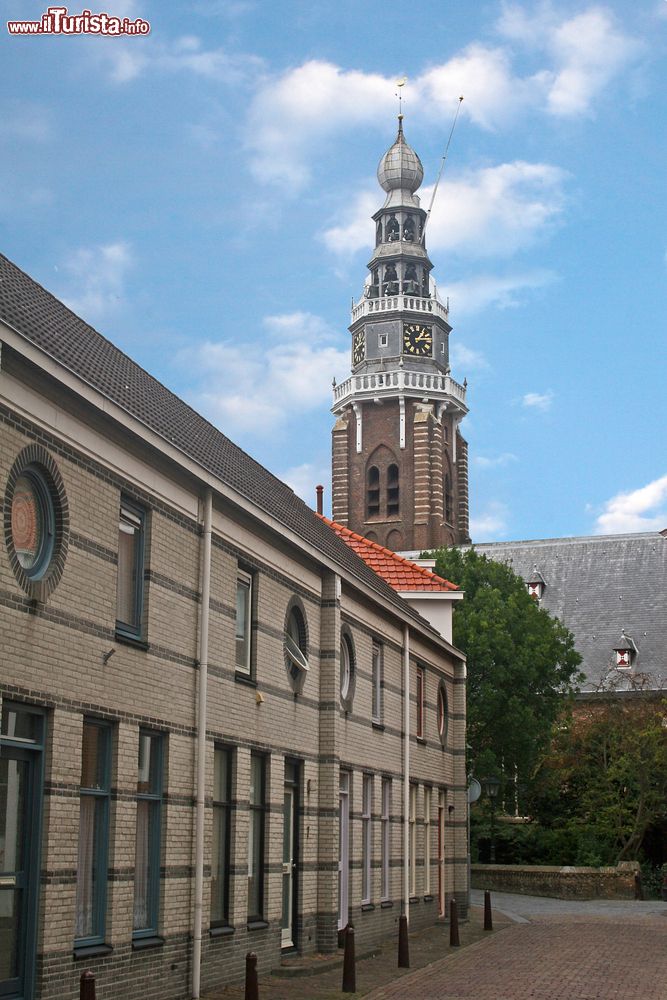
536, 585
625, 652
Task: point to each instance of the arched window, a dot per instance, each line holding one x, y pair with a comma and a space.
410, 282
393, 230
378, 233
392, 491
373, 492
409, 230
296, 645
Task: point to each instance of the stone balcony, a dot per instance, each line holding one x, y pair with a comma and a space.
399, 303
429, 386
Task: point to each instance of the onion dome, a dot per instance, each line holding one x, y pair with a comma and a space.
400, 168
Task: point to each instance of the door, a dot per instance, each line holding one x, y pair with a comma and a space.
441, 853
343, 849
20, 806
290, 860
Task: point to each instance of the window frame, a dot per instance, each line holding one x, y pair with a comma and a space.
442, 709
100, 866
385, 883
377, 681
348, 668
420, 683
412, 827
366, 838
135, 516
257, 814
223, 809
245, 579
155, 800
428, 797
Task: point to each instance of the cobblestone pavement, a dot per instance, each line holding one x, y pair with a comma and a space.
560, 957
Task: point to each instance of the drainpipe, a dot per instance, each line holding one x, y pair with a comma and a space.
201, 742
406, 772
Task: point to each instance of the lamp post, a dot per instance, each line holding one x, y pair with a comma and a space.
491, 789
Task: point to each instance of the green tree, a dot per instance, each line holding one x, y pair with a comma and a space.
522, 665
605, 780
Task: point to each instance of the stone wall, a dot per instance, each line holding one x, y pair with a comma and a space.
561, 883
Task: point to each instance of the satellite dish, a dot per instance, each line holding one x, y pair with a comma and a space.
294, 653
474, 790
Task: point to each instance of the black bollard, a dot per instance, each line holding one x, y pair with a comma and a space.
403, 946
639, 889
488, 919
87, 986
349, 968
453, 925
251, 986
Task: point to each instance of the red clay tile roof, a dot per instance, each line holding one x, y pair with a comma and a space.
399, 573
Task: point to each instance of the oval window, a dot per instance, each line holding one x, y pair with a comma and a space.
32, 523
442, 714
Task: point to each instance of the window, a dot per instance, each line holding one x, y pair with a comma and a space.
420, 702
220, 861
392, 491
366, 847
296, 645
382, 339
442, 714
376, 682
413, 840
373, 491
32, 522
386, 836
256, 820
129, 583
243, 621
91, 872
427, 841
149, 822
347, 670
449, 504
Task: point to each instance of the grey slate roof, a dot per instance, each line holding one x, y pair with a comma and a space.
600, 586
43, 320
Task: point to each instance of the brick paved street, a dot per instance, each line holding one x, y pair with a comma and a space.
551, 958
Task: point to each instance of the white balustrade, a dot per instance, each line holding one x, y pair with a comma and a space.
395, 303
399, 382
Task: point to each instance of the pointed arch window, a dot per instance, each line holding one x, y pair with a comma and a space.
410, 282
392, 491
378, 233
409, 230
373, 491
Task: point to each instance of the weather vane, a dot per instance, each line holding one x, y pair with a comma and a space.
399, 93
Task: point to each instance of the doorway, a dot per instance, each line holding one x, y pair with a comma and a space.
21, 745
290, 854
343, 849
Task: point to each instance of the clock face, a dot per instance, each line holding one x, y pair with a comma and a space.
358, 347
417, 340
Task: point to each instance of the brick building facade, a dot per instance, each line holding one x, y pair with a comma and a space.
399, 461
204, 733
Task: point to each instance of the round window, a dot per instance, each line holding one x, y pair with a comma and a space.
36, 522
442, 714
32, 523
347, 670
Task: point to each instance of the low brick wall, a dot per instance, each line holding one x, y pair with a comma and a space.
561, 883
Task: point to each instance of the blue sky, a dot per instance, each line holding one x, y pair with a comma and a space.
202, 196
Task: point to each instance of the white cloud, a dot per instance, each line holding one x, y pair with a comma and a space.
538, 400
245, 393
97, 279
495, 211
462, 356
644, 509
502, 291
484, 462
489, 524
128, 59
24, 121
293, 115
304, 478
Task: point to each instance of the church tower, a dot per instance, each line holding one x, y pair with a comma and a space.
399, 463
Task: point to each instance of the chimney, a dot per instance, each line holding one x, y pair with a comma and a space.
319, 490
